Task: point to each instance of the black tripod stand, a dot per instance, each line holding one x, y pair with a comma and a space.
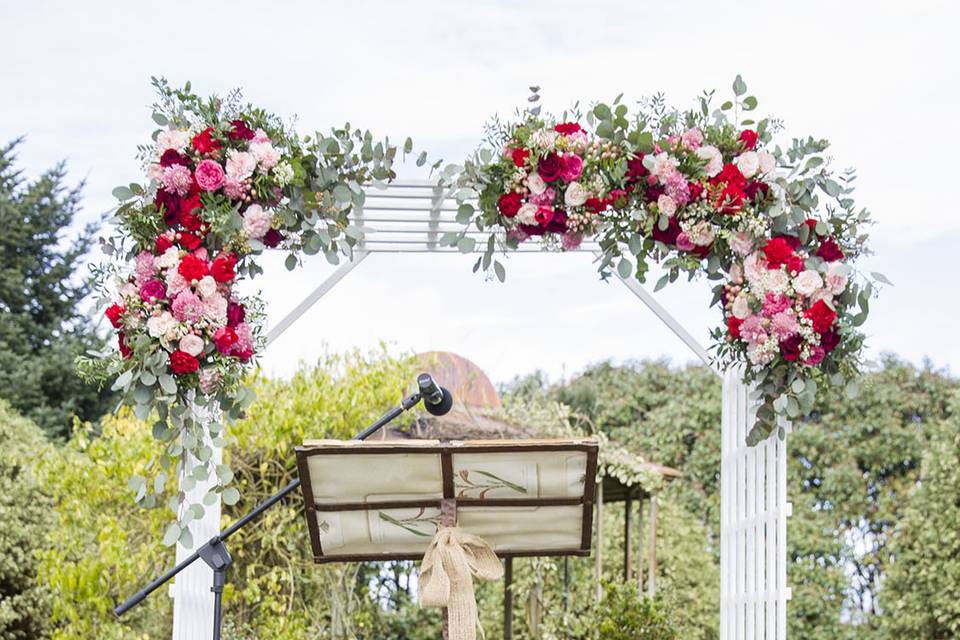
437, 401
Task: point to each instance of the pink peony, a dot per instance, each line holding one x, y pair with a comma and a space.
784, 325
260, 136
266, 154
572, 167
836, 278
146, 266
177, 179
176, 282
152, 290
256, 221
774, 303
187, 307
753, 330
666, 205
209, 175
243, 349
215, 309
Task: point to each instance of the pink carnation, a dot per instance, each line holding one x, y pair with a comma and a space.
692, 138
209, 175
677, 187
233, 188
187, 307
752, 330
243, 349
177, 179
215, 309
146, 266
572, 167
784, 325
775, 303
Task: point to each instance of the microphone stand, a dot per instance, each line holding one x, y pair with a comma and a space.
215, 554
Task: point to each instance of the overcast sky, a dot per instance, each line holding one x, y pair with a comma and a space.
876, 78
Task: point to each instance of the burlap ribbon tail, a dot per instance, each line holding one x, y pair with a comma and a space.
451, 562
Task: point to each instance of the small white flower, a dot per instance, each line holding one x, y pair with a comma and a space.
283, 173
748, 163
575, 195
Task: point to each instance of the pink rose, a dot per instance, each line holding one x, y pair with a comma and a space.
572, 167
152, 290
209, 175
192, 344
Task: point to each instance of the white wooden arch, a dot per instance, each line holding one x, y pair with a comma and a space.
410, 216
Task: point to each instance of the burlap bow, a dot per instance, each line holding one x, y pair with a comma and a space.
446, 577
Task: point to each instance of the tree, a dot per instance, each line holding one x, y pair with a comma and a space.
26, 514
921, 593
42, 327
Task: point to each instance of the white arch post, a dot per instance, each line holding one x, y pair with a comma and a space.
411, 216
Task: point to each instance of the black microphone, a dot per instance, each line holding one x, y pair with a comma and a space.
436, 400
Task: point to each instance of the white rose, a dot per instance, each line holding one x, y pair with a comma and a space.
836, 278
192, 344
575, 195
536, 184
169, 259
777, 280
207, 286
755, 270
159, 326
736, 273
807, 283
767, 162
714, 159
666, 205
748, 163
527, 214
701, 234
240, 164
740, 308
741, 243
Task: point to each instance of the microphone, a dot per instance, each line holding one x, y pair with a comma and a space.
436, 400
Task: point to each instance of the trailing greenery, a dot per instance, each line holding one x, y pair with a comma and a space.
42, 325
26, 518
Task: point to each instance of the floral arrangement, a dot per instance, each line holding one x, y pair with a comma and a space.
224, 182
701, 192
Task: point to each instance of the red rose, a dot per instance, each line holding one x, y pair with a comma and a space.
550, 167
193, 267
224, 339
733, 326
731, 198
558, 223
272, 238
189, 221
510, 203
821, 315
829, 250
596, 205
635, 168
567, 128
168, 204
520, 156
222, 267
235, 314
778, 251
125, 351
544, 215
204, 141
730, 174
749, 139
242, 354
190, 241
161, 244
791, 347
171, 157
114, 313
829, 339
669, 235
793, 241
182, 363
240, 131
795, 263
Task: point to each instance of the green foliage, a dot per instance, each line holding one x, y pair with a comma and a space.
26, 517
921, 593
624, 615
42, 328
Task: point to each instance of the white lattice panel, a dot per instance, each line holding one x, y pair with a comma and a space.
753, 524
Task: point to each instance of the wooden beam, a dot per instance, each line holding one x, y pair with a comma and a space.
640, 545
508, 599
652, 574
627, 540
598, 568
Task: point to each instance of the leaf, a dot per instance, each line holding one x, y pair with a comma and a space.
798, 385
749, 104
122, 193
662, 282
879, 277
231, 496
123, 380
341, 193
160, 119
500, 271
167, 383
739, 86
291, 262
464, 213
172, 534
726, 106
408, 145
624, 268
466, 245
